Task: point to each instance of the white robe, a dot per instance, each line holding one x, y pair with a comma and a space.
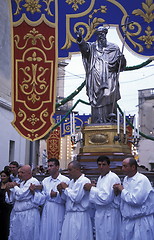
137, 208
53, 210
15, 178
25, 216
77, 223
107, 215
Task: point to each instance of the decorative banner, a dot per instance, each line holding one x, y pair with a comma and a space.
79, 122
44, 30
34, 67
129, 130
89, 14
53, 144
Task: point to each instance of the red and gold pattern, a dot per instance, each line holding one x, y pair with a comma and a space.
34, 79
53, 144
129, 135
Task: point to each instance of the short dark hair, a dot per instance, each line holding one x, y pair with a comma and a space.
7, 169
132, 162
75, 164
103, 159
14, 163
55, 160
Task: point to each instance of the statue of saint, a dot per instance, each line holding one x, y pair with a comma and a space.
101, 60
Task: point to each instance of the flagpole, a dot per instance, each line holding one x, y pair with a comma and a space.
117, 79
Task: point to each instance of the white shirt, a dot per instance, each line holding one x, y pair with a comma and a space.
137, 196
77, 197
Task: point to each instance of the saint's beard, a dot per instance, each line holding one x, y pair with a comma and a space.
102, 42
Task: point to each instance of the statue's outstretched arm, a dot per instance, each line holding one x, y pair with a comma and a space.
83, 46
79, 36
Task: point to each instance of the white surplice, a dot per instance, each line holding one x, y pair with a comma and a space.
53, 209
77, 223
137, 208
107, 215
25, 216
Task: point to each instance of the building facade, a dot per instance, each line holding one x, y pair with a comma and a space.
146, 120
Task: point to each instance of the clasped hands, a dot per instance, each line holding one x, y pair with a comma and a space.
10, 185
117, 188
61, 186
34, 187
88, 186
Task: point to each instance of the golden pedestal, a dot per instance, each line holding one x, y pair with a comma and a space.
103, 138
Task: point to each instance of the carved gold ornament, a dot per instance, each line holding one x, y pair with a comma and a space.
98, 139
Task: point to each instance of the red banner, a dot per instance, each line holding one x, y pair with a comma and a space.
34, 76
53, 144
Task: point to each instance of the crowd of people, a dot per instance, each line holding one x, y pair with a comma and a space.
73, 208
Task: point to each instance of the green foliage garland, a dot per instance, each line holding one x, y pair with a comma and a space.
73, 94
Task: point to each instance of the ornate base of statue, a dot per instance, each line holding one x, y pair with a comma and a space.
102, 139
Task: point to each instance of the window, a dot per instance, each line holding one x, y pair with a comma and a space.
11, 150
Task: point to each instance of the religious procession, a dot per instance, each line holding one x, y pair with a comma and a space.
66, 176
73, 207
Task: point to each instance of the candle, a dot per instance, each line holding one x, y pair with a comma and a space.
124, 122
71, 124
138, 133
134, 125
118, 122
